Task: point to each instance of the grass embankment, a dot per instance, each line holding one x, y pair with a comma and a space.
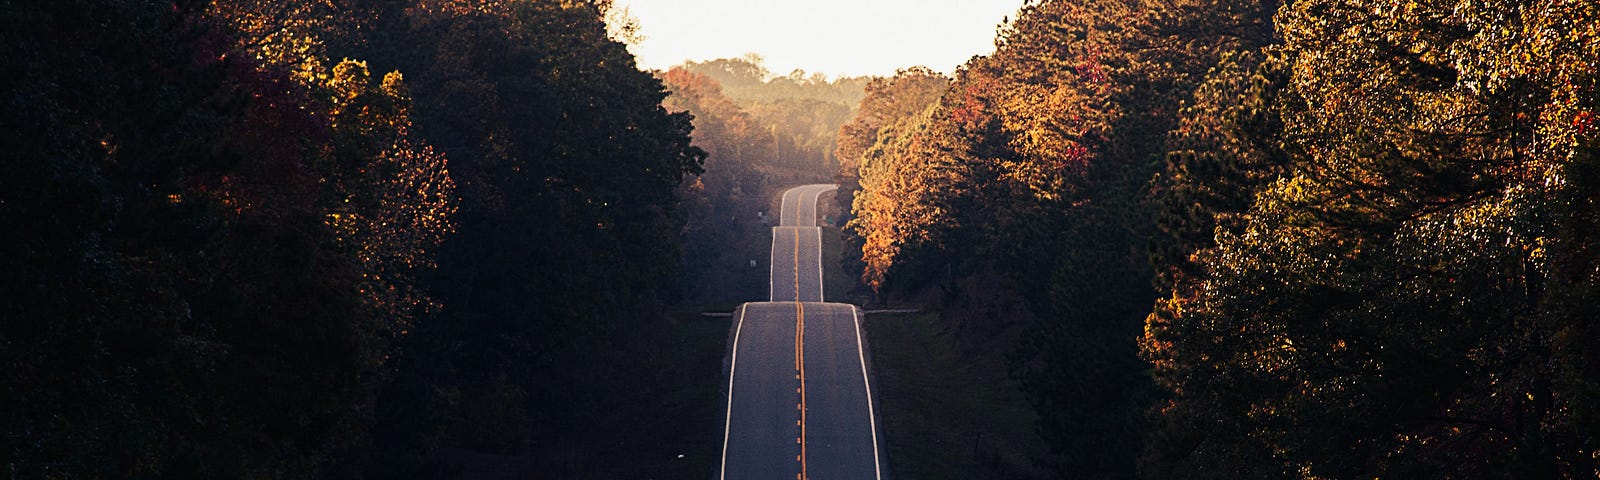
948, 412
837, 284
652, 395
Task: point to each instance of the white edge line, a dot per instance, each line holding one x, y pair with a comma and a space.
811, 220
783, 206
872, 418
727, 424
772, 265
816, 195
820, 281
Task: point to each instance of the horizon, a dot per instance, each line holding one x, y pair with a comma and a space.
938, 34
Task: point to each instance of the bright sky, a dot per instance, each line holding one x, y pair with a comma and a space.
835, 37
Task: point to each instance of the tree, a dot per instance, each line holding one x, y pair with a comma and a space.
887, 101
1383, 304
193, 303
567, 228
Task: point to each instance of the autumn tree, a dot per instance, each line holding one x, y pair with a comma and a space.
888, 103
1383, 303
202, 301
1048, 147
568, 170
887, 100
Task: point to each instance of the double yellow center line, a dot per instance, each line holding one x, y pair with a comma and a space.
800, 354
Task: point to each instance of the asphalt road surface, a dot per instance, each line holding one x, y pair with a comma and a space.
799, 206
796, 264
799, 392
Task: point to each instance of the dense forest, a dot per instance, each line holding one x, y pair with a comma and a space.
1297, 239
264, 239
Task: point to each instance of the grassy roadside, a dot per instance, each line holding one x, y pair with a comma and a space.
649, 407
674, 403
836, 283
948, 413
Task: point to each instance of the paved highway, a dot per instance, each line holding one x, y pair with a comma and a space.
799, 206
796, 264
799, 392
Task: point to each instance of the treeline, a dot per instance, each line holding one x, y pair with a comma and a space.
748, 80
797, 115
1301, 239
234, 252
762, 134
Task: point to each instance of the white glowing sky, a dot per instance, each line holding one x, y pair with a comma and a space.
835, 37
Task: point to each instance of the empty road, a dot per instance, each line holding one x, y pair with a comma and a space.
799, 393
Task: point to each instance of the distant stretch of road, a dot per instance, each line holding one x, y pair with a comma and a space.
799, 393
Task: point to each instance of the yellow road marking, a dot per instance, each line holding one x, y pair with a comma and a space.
800, 351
